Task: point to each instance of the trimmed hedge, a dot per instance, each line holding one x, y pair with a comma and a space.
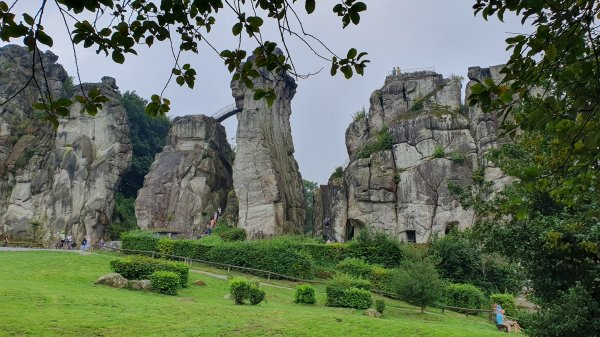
464, 296
242, 289
272, 256
506, 301
326, 254
164, 282
380, 306
233, 234
139, 240
139, 267
355, 267
347, 292
305, 293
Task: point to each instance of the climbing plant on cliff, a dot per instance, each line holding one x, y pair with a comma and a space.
120, 27
549, 220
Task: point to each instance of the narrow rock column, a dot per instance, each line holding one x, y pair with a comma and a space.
265, 174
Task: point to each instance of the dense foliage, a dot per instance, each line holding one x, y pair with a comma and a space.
506, 301
164, 282
380, 306
305, 293
267, 255
309, 188
549, 219
241, 289
464, 296
141, 267
383, 141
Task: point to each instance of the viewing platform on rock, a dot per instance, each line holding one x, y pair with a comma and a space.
413, 73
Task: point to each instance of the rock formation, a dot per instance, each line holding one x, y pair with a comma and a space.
266, 179
189, 179
416, 139
56, 181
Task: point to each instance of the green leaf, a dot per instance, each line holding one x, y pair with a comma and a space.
236, 30
351, 53
118, 57
309, 5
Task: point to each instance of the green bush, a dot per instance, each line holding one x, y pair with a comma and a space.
348, 292
325, 254
381, 278
380, 306
355, 267
139, 240
242, 289
233, 234
305, 293
138, 267
377, 248
438, 152
383, 141
164, 282
458, 157
506, 301
464, 296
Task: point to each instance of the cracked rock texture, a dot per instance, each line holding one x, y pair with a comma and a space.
63, 180
266, 179
402, 189
189, 180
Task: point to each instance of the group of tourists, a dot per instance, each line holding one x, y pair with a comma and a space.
501, 320
395, 70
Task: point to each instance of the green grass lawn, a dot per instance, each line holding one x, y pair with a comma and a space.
53, 294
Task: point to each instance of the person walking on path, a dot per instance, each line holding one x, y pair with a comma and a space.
5, 244
84, 243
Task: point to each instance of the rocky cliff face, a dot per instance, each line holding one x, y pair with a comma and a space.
63, 180
189, 179
416, 139
265, 174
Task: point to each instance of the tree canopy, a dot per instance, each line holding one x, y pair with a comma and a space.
118, 28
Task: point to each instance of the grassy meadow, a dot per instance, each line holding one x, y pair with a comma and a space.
53, 294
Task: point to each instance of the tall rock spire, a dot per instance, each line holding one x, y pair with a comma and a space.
266, 179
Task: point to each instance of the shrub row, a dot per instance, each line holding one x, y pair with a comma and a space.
380, 278
138, 267
347, 292
241, 289
271, 256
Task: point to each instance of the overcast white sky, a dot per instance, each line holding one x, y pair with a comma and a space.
406, 33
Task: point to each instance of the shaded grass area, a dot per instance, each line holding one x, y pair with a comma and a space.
53, 294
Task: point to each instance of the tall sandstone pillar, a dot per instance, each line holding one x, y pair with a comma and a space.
266, 179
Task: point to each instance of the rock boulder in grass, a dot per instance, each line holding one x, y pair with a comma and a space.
266, 178
140, 285
62, 180
372, 313
114, 280
189, 179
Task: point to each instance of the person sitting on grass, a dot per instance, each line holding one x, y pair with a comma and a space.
501, 320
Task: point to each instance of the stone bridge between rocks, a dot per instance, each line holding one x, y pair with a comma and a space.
226, 112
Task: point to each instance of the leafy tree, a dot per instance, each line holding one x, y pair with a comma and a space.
123, 218
548, 220
148, 136
120, 27
309, 187
419, 283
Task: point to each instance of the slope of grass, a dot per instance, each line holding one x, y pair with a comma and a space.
53, 294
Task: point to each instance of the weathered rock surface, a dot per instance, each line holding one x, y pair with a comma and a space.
189, 179
266, 179
401, 189
63, 180
139, 284
114, 280
372, 313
